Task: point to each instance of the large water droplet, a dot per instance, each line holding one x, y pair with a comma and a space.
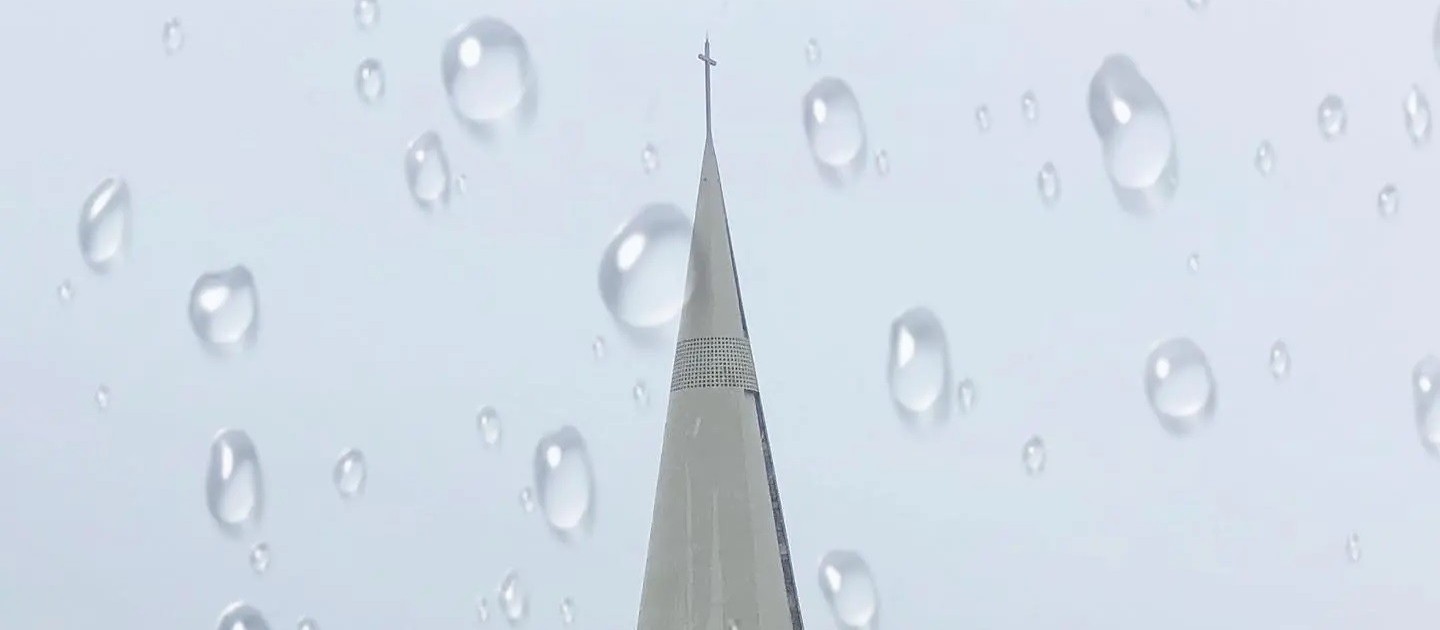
1279, 360
1032, 454
234, 486
1352, 548
1331, 117
260, 558
513, 600
1135, 133
1417, 116
649, 158
427, 171
918, 369
489, 77
1180, 386
565, 483
1265, 158
350, 473
172, 36
1387, 201
812, 51
225, 309
642, 271
850, 590
487, 420
1425, 382
105, 224
102, 397
367, 13
1047, 181
370, 81
835, 130
567, 611
982, 118
241, 616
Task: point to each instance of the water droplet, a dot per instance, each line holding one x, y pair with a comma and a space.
461, 184
567, 611
527, 499
982, 118
513, 600
918, 369
1180, 386
1030, 107
482, 610
241, 616
882, 162
307, 623
733, 624
1032, 454
367, 14
1387, 202
1331, 117
1138, 144
1265, 158
640, 394
488, 421
1193, 262
172, 36
597, 348
1352, 548
965, 392
642, 271
1417, 116
102, 397
835, 130
489, 77
427, 171
1279, 360
1426, 383
260, 558
1198, 5
812, 51
649, 158
850, 590
225, 309
565, 483
370, 81
234, 487
105, 224
65, 292
1047, 181
350, 473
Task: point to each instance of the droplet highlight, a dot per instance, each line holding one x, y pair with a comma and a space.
1180, 386
565, 483
918, 369
1137, 141
1417, 116
850, 590
105, 224
225, 309
349, 474
1331, 117
642, 270
234, 486
489, 77
835, 130
370, 81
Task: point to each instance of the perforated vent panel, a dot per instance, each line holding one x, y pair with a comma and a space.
713, 362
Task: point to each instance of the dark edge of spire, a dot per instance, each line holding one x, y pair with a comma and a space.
781, 538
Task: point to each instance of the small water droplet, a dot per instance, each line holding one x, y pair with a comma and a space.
65, 292
1425, 381
513, 600
835, 130
1198, 5
241, 616
527, 499
597, 348
1352, 548
427, 171
1047, 181
488, 421
1265, 158
982, 118
649, 158
367, 14
370, 81
482, 610
350, 473
172, 36
1180, 386
105, 224
812, 51
918, 369
489, 78
640, 394
307, 623
260, 558
733, 624
850, 590
1193, 262
1032, 454
1279, 360
567, 611
234, 486
102, 397
1387, 202
225, 309
1331, 117
1417, 116
1138, 143
965, 392
642, 270
882, 162
565, 483
461, 185
1030, 107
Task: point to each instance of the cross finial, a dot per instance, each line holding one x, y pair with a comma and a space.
709, 62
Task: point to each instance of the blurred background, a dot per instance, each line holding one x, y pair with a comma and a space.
1066, 314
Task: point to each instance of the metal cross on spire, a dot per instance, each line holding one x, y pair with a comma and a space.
709, 62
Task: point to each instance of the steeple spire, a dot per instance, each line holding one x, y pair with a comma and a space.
709, 63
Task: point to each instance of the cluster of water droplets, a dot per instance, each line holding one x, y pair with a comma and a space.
1135, 133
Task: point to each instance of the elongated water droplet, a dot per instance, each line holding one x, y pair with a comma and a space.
835, 130
482, 610
234, 486
1030, 107
565, 483
1265, 158
1387, 201
172, 36
427, 171
1048, 183
982, 118
527, 499
1352, 548
1279, 360
1180, 386
1193, 263
597, 348
461, 185
1331, 117
367, 14
1032, 454
489, 78
514, 602
350, 473
1417, 116
241, 616
370, 81
307, 623
1135, 134
567, 611
965, 392
649, 158
812, 51
882, 163
260, 558
487, 420
65, 292
918, 369
102, 397
105, 224
850, 589
1425, 383
642, 270
225, 309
